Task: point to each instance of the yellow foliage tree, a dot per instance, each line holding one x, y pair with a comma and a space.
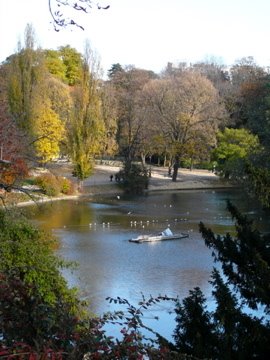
86, 129
49, 131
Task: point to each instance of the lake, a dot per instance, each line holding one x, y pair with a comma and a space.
95, 232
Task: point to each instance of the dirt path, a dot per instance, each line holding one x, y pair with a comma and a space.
195, 179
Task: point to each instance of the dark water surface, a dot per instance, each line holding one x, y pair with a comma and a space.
95, 234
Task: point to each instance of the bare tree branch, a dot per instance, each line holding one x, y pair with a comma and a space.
60, 19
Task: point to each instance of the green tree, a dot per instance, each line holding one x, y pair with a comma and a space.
234, 147
245, 259
227, 314
133, 178
55, 64
114, 70
36, 305
73, 63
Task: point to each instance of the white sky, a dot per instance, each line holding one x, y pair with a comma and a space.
149, 33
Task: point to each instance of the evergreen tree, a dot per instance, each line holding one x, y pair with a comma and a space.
233, 329
194, 333
245, 259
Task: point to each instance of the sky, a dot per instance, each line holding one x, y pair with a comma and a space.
149, 33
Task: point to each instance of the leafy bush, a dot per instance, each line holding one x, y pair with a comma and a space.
36, 306
66, 186
54, 185
134, 179
48, 184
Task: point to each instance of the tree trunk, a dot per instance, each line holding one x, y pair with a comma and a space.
165, 161
143, 159
175, 168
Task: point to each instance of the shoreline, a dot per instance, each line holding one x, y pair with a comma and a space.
99, 183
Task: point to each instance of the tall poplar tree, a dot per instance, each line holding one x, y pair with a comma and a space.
24, 78
86, 126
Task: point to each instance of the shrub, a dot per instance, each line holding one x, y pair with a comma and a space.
48, 184
133, 178
66, 186
52, 185
36, 306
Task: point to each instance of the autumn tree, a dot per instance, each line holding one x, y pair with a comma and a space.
187, 109
24, 79
244, 72
110, 115
59, 97
13, 165
86, 125
39, 101
214, 71
255, 106
48, 130
250, 99
132, 112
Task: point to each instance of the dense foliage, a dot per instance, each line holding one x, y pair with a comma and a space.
36, 306
133, 178
234, 148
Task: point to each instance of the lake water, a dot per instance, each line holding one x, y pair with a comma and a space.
95, 234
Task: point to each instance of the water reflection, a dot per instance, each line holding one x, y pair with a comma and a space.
95, 235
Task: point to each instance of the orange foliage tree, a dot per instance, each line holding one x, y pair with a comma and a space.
13, 166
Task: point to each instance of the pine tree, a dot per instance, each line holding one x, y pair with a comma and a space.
245, 259
233, 329
194, 333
